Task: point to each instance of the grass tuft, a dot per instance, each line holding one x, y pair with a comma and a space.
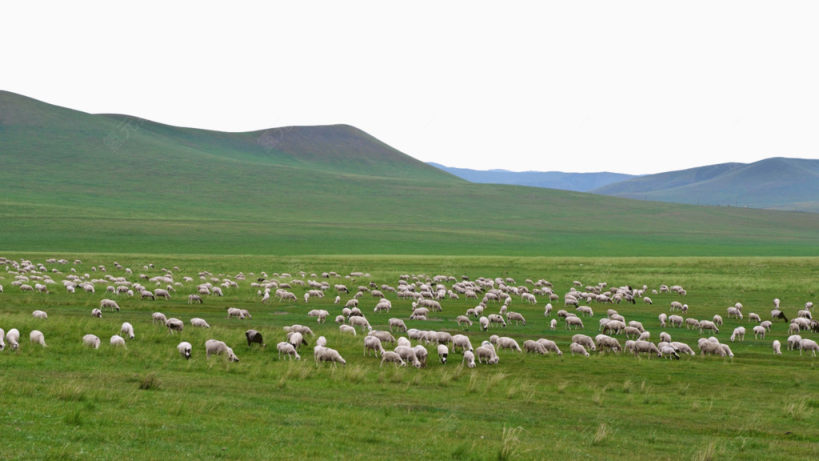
510, 443
150, 382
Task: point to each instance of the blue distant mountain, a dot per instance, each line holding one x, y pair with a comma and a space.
580, 182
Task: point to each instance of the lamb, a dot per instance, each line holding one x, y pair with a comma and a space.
484, 325
777, 347
392, 357
461, 342
794, 342
738, 334
399, 324
159, 317
254, 337
647, 300
534, 346
346, 329
584, 341
127, 329
759, 331
199, 323
575, 348
808, 345
372, 343
89, 340
288, 350
118, 341
39, 314
96, 313
607, 342
469, 358
174, 325
573, 322
36, 336
215, 347
184, 349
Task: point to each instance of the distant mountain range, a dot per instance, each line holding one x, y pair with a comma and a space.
579, 182
778, 183
775, 183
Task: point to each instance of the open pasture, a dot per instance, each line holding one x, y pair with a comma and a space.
146, 401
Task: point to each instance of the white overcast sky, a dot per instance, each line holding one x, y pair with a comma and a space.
626, 86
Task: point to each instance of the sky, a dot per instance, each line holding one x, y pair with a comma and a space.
627, 86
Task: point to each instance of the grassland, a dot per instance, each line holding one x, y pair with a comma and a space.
146, 402
120, 184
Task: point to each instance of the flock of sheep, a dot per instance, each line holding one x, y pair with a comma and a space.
426, 295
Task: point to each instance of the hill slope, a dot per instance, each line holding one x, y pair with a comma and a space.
71, 181
780, 183
579, 182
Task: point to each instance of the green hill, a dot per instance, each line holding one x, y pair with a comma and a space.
73, 181
778, 183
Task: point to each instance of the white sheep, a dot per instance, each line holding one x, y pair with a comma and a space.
808, 345
663, 318
573, 322
38, 314
13, 337
684, 348
607, 342
665, 337
288, 350
325, 354
372, 343
96, 313
669, 351
550, 346
127, 329
199, 323
534, 346
584, 341
109, 303
461, 342
159, 317
777, 347
215, 347
296, 339
346, 329
359, 321
754, 317
759, 331
392, 357
484, 321
794, 341
487, 354
421, 354
36, 336
505, 342
91, 341
2, 342
118, 341
469, 358
738, 334
184, 349
575, 348
553, 324
174, 325
398, 324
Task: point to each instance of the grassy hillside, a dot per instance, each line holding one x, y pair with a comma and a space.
578, 182
67, 401
78, 182
779, 183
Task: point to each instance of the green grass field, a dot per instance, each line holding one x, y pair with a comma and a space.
70, 402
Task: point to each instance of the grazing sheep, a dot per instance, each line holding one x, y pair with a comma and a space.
346, 329
487, 355
359, 321
573, 322
392, 357
663, 318
36, 336
184, 349
89, 340
692, 323
644, 336
215, 347
469, 358
234, 312
734, 312
753, 317
421, 353
604, 342
777, 347
198, 299
553, 324
254, 337
585, 310
766, 324
647, 300
794, 341
631, 331
372, 343
199, 323
738, 334
118, 341
584, 341
708, 325
550, 346
717, 319
321, 341
399, 324
296, 339
727, 350
409, 355
320, 315
402, 341
508, 343
159, 317
325, 354
684, 348
575, 348
147, 294
670, 352
808, 345
759, 331
647, 347
461, 342
174, 325
127, 329
340, 319
665, 337
384, 336
484, 324
778, 314
39, 314
96, 313
515, 317
288, 350
676, 321
710, 348
547, 312
497, 318
534, 346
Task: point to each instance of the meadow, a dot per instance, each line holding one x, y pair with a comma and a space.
67, 401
